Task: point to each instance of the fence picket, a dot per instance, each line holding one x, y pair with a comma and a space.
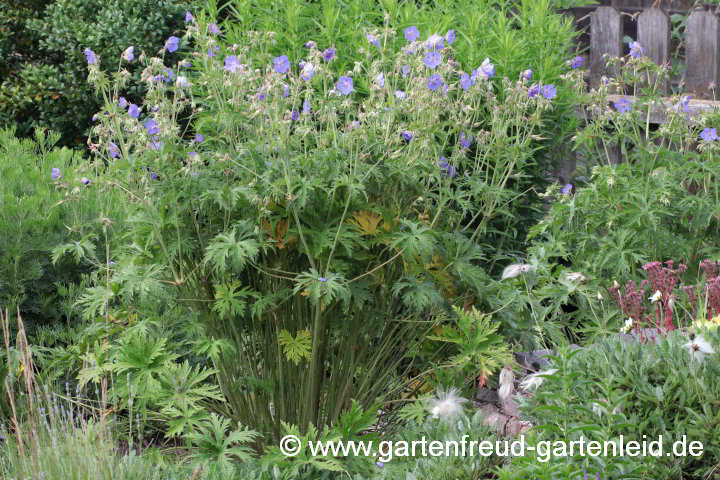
654, 36
702, 48
606, 35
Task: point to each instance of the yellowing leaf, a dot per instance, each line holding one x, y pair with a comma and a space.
367, 222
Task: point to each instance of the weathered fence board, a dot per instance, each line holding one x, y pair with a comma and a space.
606, 36
654, 35
702, 47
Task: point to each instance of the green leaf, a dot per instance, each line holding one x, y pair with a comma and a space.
297, 348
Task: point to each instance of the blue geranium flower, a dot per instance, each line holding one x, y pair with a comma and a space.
344, 85
113, 150
151, 127
435, 82
307, 72
448, 169
134, 111
684, 103
435, 42
129, 54
487, 68
636, 50
231, 63
329, 54
281, 64
549, 91
709, 134
372, 39
450, 37
172, 44
155, 145
432, 59
623, 105
465, 81
411, 33
90, 55
380, 80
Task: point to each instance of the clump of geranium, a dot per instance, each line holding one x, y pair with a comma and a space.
272, 161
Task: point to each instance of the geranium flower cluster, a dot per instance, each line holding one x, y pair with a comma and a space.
420, 65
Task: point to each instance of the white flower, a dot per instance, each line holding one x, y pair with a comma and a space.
434, 41
447, 405
516, 269
599, 297
128, 54
628, 326
656, 296
598, 409
181, 81
308, 71
576, 277
380, 79
507, 383
699, 348
536, 379
505, 391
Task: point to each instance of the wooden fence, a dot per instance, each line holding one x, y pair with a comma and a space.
702, 44
653, 30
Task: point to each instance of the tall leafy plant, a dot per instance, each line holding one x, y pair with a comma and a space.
318, 222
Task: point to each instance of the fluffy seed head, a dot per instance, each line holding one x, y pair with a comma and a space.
447, 405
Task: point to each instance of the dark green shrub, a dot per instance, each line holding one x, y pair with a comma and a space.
17, 43
45, 83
